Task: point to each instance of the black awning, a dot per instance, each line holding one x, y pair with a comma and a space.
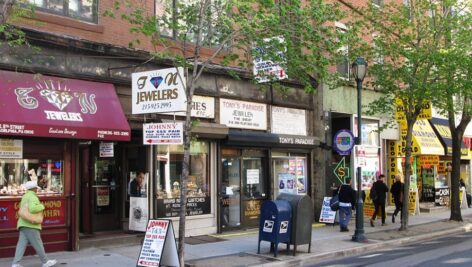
264, 139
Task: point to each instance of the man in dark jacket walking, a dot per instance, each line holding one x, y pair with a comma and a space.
347, 201
381, 190
397, 194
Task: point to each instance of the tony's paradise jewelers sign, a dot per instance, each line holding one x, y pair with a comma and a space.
244, 115
158, 91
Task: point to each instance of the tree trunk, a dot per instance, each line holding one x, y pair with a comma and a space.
185, 173
406, 187
457, 134
6, 10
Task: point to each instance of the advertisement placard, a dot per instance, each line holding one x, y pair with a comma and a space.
138, 213
327, 215
11, 149
281, 116
159, 247
163, 133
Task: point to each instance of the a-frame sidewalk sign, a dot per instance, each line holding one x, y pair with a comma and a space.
159, 247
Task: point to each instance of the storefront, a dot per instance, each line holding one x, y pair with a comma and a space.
257, 165
425, 150
43, 118
441, 127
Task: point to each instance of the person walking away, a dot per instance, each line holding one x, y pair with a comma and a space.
136, 185
347, 201
397, 194
381, 190
31, 232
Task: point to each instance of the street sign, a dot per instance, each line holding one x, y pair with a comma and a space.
341, 171
343, 142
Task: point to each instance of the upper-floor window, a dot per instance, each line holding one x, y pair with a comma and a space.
178, 19
378, 3
77, 9
342, 64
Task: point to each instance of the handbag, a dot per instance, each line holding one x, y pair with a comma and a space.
25, 214
334, 201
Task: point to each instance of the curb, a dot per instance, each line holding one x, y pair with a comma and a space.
311, 259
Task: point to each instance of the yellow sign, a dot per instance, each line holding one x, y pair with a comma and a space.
426, 112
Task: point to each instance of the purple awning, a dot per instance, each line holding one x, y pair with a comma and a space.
46, 106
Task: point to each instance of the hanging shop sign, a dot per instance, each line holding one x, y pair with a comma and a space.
426, 112
265, 69
244, 115
280, 116
202, 107
11, 149
163, 133
343, 142
158, 91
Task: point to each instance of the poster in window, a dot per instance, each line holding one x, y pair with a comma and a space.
252, 176
103, 196
287, 183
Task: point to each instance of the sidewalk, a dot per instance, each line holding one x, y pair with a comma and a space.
240, 249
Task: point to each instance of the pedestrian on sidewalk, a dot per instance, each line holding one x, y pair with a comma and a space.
31, 232
347, 201
397, 194
378, 192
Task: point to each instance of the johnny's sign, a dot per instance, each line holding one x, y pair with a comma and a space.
158, 91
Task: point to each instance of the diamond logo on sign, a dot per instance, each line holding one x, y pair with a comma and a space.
156, 81
57, 98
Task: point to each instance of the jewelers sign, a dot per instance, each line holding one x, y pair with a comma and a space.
163, 133
158, 91
244, 115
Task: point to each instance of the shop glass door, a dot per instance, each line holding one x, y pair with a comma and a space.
254, 190
106, 195
230, 193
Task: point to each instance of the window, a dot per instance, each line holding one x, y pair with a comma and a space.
77, 9
169, 163
378, 3
177, 19
342, 65
15, 172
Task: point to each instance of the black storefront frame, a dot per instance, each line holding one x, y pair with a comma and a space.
238, 139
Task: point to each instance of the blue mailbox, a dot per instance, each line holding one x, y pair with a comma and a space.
275, 224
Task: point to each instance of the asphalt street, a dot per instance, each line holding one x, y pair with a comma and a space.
453, 250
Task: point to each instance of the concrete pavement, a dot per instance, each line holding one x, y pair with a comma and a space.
240, 248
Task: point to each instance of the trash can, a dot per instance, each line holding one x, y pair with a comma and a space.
302, 218
275, 224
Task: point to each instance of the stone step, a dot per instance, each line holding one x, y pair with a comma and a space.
111, 240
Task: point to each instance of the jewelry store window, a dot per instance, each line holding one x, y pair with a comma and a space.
169, 163
49, 173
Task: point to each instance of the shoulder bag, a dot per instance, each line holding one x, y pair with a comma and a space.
334, 201
25, 214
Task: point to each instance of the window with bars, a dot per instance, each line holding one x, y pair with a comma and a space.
85, 10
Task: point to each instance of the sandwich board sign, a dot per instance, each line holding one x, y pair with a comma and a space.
159, 247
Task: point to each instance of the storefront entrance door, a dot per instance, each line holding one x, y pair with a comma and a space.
100, 192
243, 188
